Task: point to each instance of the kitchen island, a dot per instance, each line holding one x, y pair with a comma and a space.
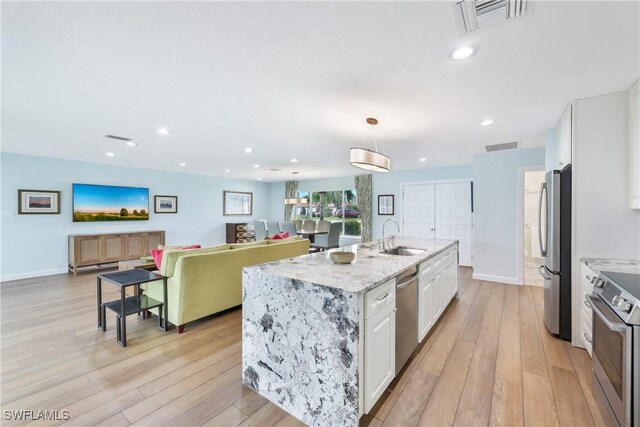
318, 338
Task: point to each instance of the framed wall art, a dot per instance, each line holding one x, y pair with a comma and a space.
237, 203
385, 204
165, 204
38, 202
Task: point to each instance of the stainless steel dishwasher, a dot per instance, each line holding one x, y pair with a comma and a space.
406, 315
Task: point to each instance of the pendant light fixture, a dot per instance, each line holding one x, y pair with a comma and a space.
369, 159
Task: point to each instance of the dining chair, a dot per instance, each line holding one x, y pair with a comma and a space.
309, 226
272, 228
298, 224
260, 228
329, 240
288, 227
323, 225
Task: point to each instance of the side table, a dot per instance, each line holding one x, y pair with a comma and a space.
132, 304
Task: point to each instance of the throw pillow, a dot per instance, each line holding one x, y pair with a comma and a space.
157, 253
284, 235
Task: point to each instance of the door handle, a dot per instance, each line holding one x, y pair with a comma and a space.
406, 282
382, 297
614, 326
542, 272
543, 190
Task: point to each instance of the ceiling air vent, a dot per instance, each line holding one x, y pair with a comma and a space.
471, 15
119, 138
500, 147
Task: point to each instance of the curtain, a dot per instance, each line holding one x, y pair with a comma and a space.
364, 195
290, 192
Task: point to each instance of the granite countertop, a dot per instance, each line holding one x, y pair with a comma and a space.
369, 269
612, 264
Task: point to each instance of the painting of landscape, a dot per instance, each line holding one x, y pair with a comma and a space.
109, 203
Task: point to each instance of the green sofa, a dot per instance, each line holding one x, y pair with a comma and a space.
209, 280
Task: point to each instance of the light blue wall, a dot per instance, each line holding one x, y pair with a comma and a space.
391, 183
37, 244
495, 182
383, 183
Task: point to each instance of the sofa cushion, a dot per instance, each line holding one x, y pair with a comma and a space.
170, 256
280, 241
247, 245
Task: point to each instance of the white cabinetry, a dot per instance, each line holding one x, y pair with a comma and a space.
437, 285
564, 139
634, 146
380, 342
586, 313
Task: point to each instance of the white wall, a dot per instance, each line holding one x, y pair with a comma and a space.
34, 245
603, 224
496, 231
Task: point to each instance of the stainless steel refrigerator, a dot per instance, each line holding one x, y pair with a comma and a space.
554, 228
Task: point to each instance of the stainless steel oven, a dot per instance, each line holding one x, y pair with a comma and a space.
616, 355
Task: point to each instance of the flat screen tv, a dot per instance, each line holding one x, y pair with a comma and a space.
109, 203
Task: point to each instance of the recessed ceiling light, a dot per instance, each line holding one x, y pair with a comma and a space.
487, 122
109, 154
227, 170
259, 179
294, 160
132, 144
463, 52
164, 131
182, 164
256, 165
423, 159
248, 150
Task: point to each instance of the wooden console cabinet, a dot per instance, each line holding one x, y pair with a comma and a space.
240, 232
96, 249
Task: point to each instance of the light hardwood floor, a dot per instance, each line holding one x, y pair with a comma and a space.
489, 361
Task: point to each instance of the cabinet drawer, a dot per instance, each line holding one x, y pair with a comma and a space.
586, 274
376, 299
587, 319
586, 335
429, 266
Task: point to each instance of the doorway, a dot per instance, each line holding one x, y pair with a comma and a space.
532, 257
442, 211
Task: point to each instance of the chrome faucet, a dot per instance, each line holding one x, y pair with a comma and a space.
391, 238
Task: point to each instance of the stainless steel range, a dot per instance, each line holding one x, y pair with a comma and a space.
616, 346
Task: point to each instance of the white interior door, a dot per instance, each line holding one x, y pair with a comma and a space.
418, 210
453, 217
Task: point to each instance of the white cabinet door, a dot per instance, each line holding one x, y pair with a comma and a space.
427, 307
418, 210
634, 146
564, 138
586, 331
453, 219
380, 354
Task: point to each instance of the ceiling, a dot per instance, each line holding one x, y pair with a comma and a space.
297, 80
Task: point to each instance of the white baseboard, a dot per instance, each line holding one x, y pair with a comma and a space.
30, 274
499, 279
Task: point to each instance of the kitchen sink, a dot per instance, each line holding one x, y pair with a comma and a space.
403, 250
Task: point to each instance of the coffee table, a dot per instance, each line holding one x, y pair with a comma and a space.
133, 304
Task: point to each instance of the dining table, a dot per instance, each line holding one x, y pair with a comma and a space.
310, 234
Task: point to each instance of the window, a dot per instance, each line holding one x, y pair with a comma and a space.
340, 205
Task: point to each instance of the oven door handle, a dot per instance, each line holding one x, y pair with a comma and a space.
615, 327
